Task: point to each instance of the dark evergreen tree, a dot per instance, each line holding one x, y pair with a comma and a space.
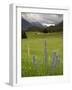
24, 35
45, 30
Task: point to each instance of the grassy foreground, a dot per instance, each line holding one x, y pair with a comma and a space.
34, 45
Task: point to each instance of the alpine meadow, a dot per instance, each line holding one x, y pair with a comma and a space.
41, 44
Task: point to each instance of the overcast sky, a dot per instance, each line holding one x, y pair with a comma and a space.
44, 19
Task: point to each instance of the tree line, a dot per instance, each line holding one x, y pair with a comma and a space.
51, 29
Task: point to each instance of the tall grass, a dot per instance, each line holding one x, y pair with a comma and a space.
34, 44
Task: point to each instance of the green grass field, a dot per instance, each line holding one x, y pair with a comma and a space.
34, 44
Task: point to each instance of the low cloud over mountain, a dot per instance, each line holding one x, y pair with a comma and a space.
30, 20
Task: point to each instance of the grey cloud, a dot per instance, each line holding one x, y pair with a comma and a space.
43, 18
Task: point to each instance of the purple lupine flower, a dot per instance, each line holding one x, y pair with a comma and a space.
45, 56
53, 60
58, 58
